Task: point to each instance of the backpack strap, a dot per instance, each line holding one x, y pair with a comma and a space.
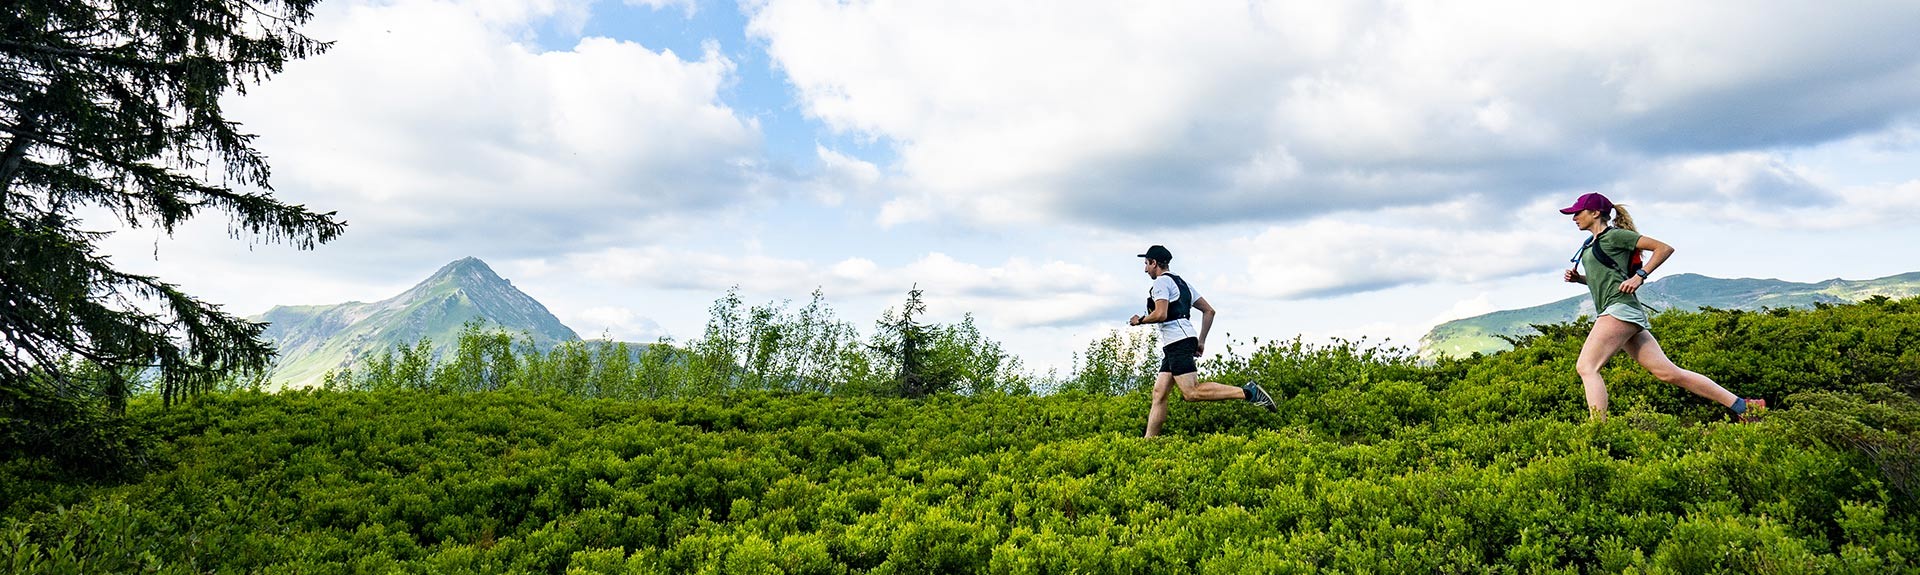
1183, 308
1180, 307
1600, 253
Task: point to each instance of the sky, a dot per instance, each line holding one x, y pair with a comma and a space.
1322, 169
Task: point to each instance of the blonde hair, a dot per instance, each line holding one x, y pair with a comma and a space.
1621, 219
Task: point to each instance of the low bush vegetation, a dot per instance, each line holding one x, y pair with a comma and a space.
1374, 463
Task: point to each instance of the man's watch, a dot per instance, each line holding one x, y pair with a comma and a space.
1643, 273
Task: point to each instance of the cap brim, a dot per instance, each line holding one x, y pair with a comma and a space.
1571, 210
1141, 256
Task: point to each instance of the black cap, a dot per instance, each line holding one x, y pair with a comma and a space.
1158, 253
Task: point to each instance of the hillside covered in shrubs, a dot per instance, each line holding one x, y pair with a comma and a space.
1375, 462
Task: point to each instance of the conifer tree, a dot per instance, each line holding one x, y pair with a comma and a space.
906, 343
115, 106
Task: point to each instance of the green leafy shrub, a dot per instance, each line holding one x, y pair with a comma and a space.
1375, 463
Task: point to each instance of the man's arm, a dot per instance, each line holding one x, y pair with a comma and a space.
1206, 323
1158, 315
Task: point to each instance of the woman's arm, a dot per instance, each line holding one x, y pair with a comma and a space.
1661, 251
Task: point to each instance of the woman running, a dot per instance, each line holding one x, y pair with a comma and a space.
1614, 278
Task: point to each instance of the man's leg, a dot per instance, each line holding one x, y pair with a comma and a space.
1192, 389
1157, 414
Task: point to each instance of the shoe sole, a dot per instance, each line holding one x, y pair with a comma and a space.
1755, 407
1269, 402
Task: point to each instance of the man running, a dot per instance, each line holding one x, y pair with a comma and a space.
1169, 303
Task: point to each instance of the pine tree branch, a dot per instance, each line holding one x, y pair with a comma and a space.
259, 213
109, 56
14, 154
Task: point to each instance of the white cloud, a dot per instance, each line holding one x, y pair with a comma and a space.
905, 209
1345, 254
687, 7
1853, 207
617, 323
841, 175
438, 130
1476, 305
1474, 240
431, 122
1728, 179
1292, 153
662, 268
1152, 112
1766, 189
1016, 293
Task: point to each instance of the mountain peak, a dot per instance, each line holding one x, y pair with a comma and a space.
468, 275
316, 339
468, 266
471, 278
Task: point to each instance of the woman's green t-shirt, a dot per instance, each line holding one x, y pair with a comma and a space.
1604, 281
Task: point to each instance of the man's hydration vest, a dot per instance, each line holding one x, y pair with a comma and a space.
1180, 308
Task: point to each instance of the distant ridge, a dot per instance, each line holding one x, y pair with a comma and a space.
1463, 337
315, 339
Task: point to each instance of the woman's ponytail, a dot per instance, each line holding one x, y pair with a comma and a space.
1621, 219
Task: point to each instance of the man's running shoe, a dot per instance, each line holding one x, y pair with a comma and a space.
1258, 396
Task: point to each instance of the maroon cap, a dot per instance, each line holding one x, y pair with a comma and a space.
1589, 201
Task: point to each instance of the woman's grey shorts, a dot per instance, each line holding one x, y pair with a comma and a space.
1630, 313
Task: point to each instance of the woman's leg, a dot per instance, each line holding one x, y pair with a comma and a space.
1606, 338
1646, 350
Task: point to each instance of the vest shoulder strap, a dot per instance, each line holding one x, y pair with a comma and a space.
1601, 254
1183, 308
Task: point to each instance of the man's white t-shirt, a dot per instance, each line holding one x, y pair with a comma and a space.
1179, 329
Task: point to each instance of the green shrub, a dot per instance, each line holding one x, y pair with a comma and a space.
1375, 463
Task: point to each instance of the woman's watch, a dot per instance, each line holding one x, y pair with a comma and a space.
1642, 272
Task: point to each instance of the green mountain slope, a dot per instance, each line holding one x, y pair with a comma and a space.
1463, 337
315, 339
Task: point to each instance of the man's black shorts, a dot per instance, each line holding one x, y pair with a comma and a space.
1179, 357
